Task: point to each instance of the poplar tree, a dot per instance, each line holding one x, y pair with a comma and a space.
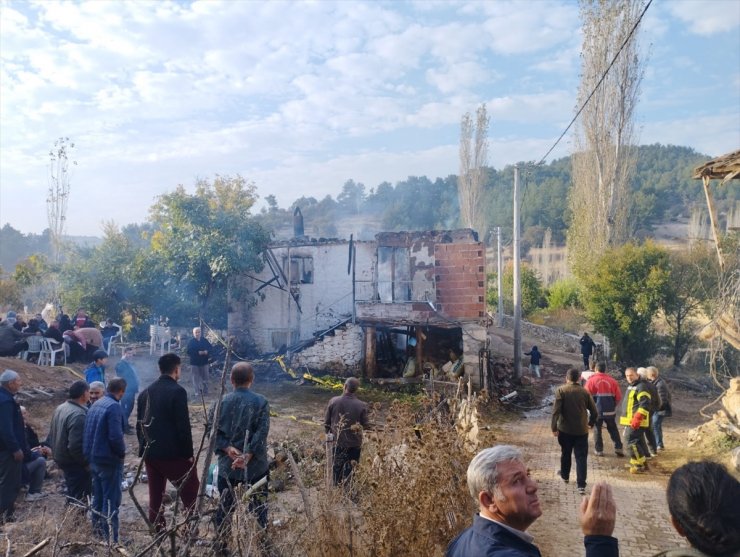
604, 160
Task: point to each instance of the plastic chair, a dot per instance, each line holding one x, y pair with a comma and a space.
48, 354
117, 338
34, 346
159, 336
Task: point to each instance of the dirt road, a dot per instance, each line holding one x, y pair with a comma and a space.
643, 526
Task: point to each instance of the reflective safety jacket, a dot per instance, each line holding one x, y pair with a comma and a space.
636, 400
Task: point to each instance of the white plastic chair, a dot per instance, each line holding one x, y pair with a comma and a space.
158, 337
34, 346
49, 353
117, 338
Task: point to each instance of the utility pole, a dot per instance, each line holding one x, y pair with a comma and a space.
517, 284
499, 278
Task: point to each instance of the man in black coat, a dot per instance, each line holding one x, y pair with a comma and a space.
12, 444
166, 440
199, 350
587, 348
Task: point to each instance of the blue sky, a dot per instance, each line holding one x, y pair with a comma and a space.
301, 96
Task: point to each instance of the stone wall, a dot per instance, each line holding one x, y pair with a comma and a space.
340, 354
565, 341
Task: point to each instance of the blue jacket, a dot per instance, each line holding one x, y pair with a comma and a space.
488, 539
12, 434
126, 371
103, 441
94, 373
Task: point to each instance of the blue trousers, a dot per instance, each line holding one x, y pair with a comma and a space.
127, 404
106, 487
657, 427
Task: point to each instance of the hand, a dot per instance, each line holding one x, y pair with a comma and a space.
554, 433
240, 462
18, 456
232, 452
636, 420
599, 511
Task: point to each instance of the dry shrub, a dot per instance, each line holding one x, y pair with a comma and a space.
410, 493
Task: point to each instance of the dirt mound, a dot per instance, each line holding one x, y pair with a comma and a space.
52, 380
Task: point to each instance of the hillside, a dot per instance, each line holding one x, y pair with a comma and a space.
663, 196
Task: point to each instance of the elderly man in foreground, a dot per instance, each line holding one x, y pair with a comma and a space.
499, 481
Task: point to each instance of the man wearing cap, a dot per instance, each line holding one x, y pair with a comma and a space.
12, 444
96, 370
66, 431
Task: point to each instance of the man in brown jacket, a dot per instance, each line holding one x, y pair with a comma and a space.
573, 414
344, 415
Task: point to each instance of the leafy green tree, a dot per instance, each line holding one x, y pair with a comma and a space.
352, 197
31, 270
565, 293
207, 237
97, 278
532, 294
691, 280
623, 294
10, 292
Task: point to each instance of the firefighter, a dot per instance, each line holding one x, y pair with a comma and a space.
635, 417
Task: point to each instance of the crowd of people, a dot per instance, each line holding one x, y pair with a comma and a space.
79, 337
86, 440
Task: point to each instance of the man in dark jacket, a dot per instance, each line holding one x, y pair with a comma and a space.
649, 443
573, 414
664, 406
534, 361
635, 416
65, 439
12, 341
54, 334
199, 350
343, 416
104, 449
506, 495
12, 444
166, 440
241, 445
587, 348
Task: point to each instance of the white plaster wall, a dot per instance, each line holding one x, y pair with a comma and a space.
341, 353
324, 302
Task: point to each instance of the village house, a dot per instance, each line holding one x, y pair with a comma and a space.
366, 308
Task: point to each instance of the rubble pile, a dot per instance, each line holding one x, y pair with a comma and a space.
725, 422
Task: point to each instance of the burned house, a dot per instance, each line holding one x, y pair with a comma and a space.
405, 303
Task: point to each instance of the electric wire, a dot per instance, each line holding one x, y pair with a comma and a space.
593, 92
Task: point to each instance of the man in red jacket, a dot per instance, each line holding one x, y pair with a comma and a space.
607, 395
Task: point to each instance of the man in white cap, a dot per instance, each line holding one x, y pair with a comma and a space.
12, 444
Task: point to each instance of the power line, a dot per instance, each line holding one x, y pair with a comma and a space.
593, 92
